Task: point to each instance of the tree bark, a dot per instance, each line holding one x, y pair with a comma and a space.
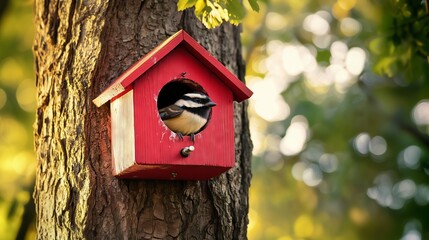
80, 48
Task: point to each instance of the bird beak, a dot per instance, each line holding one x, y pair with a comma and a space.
211, 104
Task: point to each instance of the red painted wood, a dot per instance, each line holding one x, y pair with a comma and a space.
240, 91
151, 59
156, 144
172, 172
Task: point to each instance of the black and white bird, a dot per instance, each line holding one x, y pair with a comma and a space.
189, 115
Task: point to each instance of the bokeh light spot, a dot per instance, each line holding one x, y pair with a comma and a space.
292, 62
339, 11
410, 157
377, 145
267, 101
412, 230
421, 113
304, 226
312, 176
26, 95
358, 215
350, 27
382, 190
361, 143
316, 24
338, 52
355, 60
347, 4
405, 189
12, 132
275, 21
11, 72
412, 235
328, 163
298, 170
272, 109
253, 219
322, 41
296, 136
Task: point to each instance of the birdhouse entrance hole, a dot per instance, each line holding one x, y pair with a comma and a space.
175, 89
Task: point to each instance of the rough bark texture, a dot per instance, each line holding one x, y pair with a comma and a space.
80, 48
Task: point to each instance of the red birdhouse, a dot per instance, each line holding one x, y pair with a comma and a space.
142, 144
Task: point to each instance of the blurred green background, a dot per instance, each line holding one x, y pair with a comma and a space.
17, 112
339, 119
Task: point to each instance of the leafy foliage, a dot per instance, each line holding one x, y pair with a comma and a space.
214, 13
404, 38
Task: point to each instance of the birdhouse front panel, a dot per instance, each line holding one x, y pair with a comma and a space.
156, 144
143, 146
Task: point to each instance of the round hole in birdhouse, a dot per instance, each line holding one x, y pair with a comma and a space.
184, 106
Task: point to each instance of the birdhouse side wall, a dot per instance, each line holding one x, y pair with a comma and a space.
123, 141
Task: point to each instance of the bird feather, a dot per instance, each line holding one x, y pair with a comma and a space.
170, 112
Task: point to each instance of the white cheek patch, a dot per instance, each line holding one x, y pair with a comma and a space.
195, 95
189, 104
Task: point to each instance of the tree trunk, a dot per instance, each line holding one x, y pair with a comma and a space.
80, 48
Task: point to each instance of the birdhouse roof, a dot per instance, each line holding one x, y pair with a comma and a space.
239, 90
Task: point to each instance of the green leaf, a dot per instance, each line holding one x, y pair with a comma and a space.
210, 13
200, 6
254, 4
201, 10
213, 13
381, 46
185, 4
235, 11
219, 12
387, 65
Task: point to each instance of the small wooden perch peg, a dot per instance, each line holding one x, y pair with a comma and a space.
185, 152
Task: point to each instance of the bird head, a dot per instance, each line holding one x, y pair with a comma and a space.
194, 101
